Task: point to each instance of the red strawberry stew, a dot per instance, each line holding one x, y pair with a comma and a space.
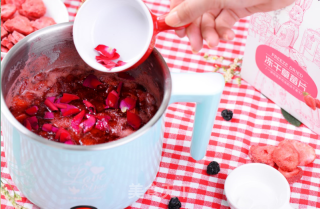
81, 107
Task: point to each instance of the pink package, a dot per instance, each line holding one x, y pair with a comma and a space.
282, 59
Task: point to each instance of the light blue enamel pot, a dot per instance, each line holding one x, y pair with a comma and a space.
59, 176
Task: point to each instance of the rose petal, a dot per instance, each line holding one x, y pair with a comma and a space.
119, 87
103, 60
112, 100
91, 81
66, 98
27, 124
58, 101
54, 129
133, 120
34, 122
127, 104
32, 110
77, 120
57, 136
64, 136
88, 124
70, 110
89, 115
47, 127
50, 105
70, 142
51, 99
48, 115
105, 50
61, 105
90, 107
109, 65
120, 63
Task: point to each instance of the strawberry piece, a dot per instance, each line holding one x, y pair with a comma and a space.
90, 107
42, 23
6, 43
127, 104
309, 100
317, 103
306, 153
292, 176
77, 120
106, 50
33, 9
120, 63
48, 115
3, 2
112, 100
91, 81
66, 98
17, 3
32, 110
7, 11
16, 37
262, 154
88, 124
50, 105
4, 49
4, 32
286, 157
86, 141
47, 127
20, 24
62, 122
21, 118
133, 120
104, 60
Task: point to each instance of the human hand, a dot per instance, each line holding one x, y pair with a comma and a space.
212, 20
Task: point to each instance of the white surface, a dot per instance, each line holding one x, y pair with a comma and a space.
56, 10
257, 186
122, 24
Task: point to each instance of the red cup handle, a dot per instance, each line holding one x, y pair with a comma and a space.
160, 24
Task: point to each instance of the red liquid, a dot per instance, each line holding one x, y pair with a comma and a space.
34, 91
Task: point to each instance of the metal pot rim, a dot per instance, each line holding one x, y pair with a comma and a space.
5, 110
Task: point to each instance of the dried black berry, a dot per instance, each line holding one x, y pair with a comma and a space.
174, 203
213, 168
227, 114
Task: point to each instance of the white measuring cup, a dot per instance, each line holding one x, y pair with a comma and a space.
126, 25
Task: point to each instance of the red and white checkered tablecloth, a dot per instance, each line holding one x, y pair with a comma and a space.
257, 120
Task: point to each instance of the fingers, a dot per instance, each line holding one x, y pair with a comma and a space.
226, 20
208, 31
194, 34
189, 10
181, 33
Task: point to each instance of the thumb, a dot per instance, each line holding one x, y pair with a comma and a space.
190, 10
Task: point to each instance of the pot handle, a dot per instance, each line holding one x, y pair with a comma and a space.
160, 24
205, 89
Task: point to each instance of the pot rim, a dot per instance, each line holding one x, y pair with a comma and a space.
5, 110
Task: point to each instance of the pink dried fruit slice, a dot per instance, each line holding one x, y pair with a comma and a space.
70, 110
4, 49
91, 81
133, 120
90, 107
262, 154
32, 110
34, 122
106, 50
120, 63
7, 43
292, 176
47, 127
77, 120
66, 98
306, 153
48, 115
286, 157
127, 104
88, 124
4, 32
20, 24
112, 100
33, 9
50, 105
42, 23
7, 11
